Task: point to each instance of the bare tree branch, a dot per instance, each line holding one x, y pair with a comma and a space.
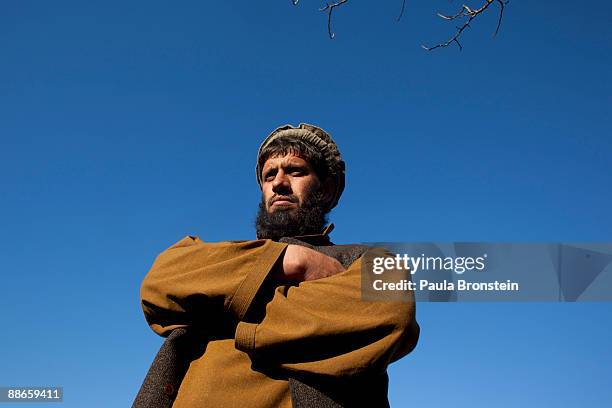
329, 8
502, 7
401, 11
465, 13
468, 15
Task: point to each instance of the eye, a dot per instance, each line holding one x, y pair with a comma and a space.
296, 171
269, 175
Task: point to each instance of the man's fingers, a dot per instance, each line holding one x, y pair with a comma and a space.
301, 263
322, 266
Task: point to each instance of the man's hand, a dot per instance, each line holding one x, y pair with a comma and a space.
302, 264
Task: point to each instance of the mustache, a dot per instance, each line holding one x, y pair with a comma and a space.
291, 198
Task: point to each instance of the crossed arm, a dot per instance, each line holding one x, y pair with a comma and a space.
318, 326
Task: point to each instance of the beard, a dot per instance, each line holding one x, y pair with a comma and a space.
309, 218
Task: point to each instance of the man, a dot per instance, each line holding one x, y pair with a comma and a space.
279, 321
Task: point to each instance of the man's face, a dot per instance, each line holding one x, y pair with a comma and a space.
287, 183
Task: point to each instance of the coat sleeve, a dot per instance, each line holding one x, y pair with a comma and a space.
205, 284
323, 327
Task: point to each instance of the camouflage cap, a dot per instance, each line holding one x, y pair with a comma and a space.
320, 140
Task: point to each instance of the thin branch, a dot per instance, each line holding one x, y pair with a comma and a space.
468, 15
502, 6
401, 11
329, 8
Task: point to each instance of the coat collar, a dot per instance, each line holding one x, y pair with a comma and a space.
318, 239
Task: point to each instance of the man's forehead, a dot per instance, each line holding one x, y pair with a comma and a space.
284, 160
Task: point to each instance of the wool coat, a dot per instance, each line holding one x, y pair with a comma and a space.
237, 338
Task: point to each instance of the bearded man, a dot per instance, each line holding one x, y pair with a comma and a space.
278, 321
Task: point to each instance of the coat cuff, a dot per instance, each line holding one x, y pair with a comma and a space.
245, 336
244, 295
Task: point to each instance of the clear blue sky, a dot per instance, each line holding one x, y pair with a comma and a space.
127, 125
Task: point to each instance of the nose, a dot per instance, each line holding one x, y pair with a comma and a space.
281, 183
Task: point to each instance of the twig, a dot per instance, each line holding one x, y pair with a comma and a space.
329, 8
468, 14
401, 11
502, 6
